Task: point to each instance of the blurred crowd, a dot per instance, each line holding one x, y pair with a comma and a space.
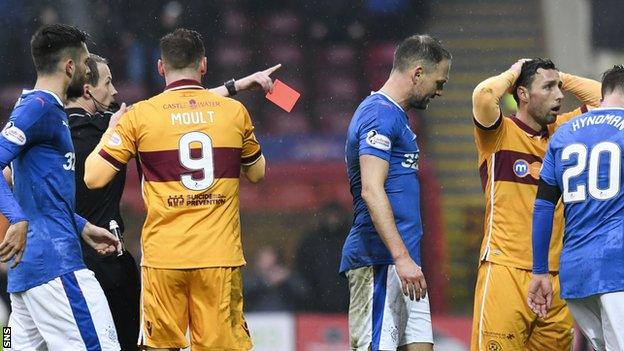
333, 52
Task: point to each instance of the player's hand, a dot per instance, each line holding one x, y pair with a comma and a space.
14, 243
100, 239
117, 116
259, 80
412, 279
540, 294
518, 65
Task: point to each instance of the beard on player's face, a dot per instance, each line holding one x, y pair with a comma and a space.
75, 88
420, 101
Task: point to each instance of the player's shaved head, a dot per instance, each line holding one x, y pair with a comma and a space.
418, 48
612, 80
182, 48
53, 42
528, 72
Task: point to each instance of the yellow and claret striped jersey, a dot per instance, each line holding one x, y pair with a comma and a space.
510, 158
191, 145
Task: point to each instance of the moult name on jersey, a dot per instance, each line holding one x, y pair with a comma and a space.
195, 117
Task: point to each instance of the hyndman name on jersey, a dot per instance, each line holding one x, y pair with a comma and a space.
609, 118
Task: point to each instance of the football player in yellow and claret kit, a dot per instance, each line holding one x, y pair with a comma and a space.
192, 146
510, 152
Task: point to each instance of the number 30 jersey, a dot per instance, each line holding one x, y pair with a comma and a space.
191, 145
584, 159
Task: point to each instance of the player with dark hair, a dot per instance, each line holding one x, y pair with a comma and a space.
583, 167
56, 302
192, 145
89, 117
510, 151
389, 307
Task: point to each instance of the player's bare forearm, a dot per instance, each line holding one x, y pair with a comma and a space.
374, 172
588, 91
381, 213
487, 95
255, 172
6, 172
258, 80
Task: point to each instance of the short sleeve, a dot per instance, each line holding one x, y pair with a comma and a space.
22, 130
251, 151
376, 133
121, 145
489, 139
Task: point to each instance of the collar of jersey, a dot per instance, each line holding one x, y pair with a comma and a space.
542, 133
389, 98
56, 97
606, 108
184, 84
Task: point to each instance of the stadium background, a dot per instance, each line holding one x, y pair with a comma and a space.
334, 52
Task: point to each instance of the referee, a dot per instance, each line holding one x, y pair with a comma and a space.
118, 275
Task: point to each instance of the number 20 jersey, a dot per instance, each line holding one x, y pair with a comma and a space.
584, 159
191, 144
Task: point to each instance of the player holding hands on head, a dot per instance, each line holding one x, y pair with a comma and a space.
381, 255
583, 166
510, 151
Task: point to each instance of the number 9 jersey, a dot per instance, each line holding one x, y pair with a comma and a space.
584, 159
191, 145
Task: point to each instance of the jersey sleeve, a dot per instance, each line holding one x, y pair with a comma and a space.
547, 174
489, 139
118, 147
251, 151
377, 132
22, 130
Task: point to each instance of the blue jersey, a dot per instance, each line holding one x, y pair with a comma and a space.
380, 128
37, 142
584, 159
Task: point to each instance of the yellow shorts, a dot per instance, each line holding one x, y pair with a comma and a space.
206, 301
503, 321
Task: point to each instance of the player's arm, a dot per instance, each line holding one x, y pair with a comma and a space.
374, 171
25, 128
588, 91
487, 95
6, 172
255, 172
259, 80
253, 163
548, 193
100, 166
15, 238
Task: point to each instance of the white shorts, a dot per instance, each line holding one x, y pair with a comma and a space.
67, 313
601, 319
380, 316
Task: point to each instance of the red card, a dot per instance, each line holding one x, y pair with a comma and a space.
283, 95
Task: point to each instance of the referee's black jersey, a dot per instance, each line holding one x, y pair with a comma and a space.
98, 206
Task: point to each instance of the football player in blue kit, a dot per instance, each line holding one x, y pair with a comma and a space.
56, 303
389, 307
583, 167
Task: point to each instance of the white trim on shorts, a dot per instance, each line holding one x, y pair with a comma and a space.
380, 316
68, 313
